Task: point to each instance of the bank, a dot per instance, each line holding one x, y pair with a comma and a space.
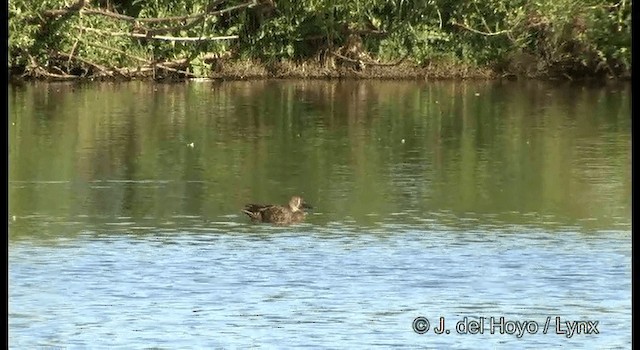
370, 39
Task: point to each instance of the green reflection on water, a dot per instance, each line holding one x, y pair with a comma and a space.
359, 152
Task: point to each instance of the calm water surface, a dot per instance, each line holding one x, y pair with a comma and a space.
456, 200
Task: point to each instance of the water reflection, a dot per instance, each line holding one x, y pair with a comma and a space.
360, 150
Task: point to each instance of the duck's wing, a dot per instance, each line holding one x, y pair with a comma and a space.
298, 216
254, 216
276, 214
257, 212
256, 208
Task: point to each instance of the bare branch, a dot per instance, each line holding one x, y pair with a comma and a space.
371, 63
36, 69
160, 37
209, 13
480, 32
101, 68
73, 49
178, 71
75, 7
109, 14
173, 38
118, 51
79, 7
162, 65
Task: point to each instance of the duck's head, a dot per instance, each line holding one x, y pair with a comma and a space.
297, 204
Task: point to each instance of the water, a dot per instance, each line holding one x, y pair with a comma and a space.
449, 200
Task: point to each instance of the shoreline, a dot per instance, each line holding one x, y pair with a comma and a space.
238, 70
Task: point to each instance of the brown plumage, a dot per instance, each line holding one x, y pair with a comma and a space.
277, 214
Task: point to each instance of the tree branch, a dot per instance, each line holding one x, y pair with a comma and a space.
160, 37
79, 7
101, 68
480, 32
371, 63
162, 65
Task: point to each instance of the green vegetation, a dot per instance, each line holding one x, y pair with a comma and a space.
315, 38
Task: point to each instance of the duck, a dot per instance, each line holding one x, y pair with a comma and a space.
291, 213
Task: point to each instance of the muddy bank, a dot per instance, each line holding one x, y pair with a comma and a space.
245, 69
227, 68
237, 69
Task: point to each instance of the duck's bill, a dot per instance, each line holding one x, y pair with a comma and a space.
306, 206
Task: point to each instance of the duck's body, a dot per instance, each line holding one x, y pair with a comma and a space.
277, 214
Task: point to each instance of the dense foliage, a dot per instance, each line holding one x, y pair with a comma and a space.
126, 38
